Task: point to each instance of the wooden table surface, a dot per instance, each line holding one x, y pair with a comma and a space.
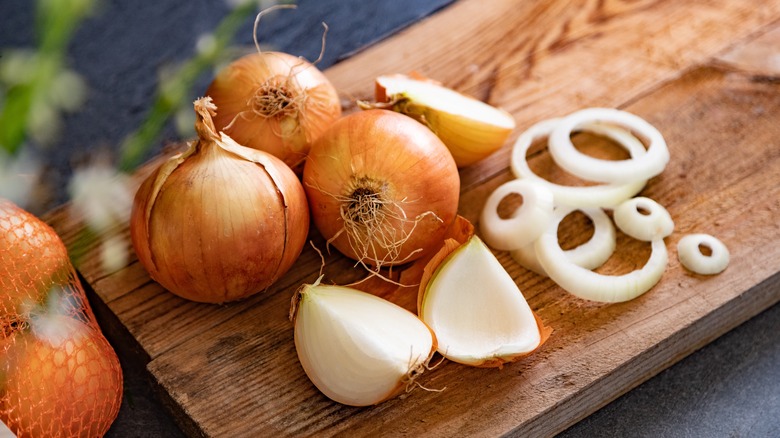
704, 73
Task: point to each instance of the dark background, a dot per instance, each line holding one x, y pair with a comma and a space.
730, 388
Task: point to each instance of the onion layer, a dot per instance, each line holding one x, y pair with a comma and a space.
525, 224
591, 285
590, 255
643, 219
575, 162
691, 256
606, 195
382, 188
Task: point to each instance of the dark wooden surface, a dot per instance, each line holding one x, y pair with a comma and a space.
733, 395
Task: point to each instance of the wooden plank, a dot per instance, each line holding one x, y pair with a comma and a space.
536, 59
597, 352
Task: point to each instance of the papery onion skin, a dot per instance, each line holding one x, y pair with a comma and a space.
313, 104
399, 160
219, 223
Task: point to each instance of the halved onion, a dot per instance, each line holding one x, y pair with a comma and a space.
479, 315
470, 128
357, 348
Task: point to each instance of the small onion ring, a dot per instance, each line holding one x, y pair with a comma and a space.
657, 224
692, 258
590, 255
615, 172
591, 285
607, 195
526, 223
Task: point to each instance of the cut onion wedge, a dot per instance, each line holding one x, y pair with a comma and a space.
479, 315
470, 128
358, 349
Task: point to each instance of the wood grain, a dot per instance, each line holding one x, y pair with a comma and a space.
697, 70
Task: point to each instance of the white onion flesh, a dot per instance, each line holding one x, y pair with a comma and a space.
605, 195
525, 224
357, 348
655, 224
690, 255
590, 255
591, 285
579, 164
479, 315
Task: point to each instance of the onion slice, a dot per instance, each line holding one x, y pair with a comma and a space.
606, 195
479, 315
357, 348
470, 128
690, 254
593, 169
591, 285
525, 224
590, 255
643, 219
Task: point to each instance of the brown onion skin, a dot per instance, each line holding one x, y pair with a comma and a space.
183, 244
235, 85
401, 153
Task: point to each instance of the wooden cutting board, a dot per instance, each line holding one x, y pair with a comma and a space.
706, 74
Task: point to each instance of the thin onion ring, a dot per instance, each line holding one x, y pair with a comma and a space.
607, 195
590, 255
692, 258
525, 224
657, 224
591, 285
594, 169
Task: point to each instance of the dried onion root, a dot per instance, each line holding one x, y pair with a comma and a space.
689, 251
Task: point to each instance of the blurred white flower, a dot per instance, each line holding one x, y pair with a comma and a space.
102, 196
18, 176
261, 4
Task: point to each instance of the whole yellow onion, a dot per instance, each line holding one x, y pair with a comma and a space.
274, 102
220, 221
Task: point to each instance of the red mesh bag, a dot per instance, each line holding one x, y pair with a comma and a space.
59, 377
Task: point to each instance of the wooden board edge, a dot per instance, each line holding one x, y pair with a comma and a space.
655, 360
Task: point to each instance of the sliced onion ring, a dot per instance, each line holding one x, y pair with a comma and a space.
692, 258
615, 172
591, 285
590, 255
525, 224
607, 195
656, 224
